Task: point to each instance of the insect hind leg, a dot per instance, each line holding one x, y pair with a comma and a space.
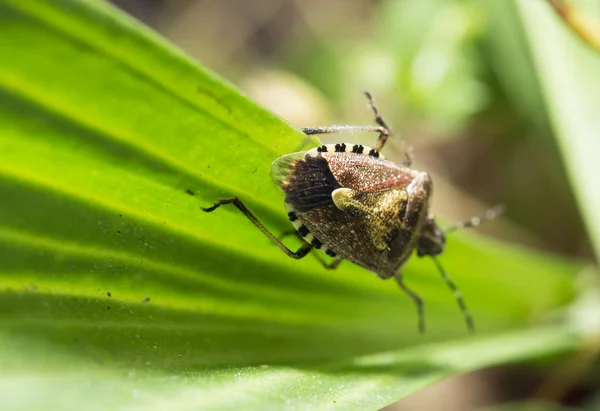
341, 129
385, 133
300, 253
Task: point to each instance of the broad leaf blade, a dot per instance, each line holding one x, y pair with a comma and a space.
364, 383
108, 264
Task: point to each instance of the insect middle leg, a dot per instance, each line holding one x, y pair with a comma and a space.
330, 266
300, 253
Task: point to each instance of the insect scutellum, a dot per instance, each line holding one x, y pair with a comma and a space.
349, 202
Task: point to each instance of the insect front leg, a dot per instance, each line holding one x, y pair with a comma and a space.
300, 253
457, 295
416, 299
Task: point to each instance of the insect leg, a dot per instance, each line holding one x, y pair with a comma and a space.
385, 133
330, 266
457, 295
301, 252
417, 300
342, 129
477, 220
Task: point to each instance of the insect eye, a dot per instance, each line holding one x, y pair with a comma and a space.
402, 212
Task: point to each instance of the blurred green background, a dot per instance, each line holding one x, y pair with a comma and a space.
454, 78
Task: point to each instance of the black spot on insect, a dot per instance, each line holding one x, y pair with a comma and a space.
330, 253
374, 153
303, 231
322, 149
357, 148
340, 148
316, 243
402, 212
292, 216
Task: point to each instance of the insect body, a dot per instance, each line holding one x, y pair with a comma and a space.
349, 202
356, 206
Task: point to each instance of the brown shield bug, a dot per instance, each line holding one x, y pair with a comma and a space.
348, 201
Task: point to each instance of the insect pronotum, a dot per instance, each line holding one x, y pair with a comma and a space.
348, 201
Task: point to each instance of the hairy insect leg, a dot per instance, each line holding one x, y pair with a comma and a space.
383, 136
342, 129
416, 299
457, 295
330, 266
477, 220
301, 252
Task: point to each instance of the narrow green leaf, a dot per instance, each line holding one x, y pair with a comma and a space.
568, 78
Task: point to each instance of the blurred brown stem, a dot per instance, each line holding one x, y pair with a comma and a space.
587, 29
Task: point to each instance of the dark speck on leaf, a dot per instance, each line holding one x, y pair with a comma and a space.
146, 300
190, 192
109, 294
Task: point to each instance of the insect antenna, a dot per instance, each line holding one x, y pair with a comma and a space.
477, 220
457, 295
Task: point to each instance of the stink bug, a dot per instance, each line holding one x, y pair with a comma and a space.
348, 201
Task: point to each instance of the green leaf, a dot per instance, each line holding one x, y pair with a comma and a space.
568, 79
116, 290
552, 75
